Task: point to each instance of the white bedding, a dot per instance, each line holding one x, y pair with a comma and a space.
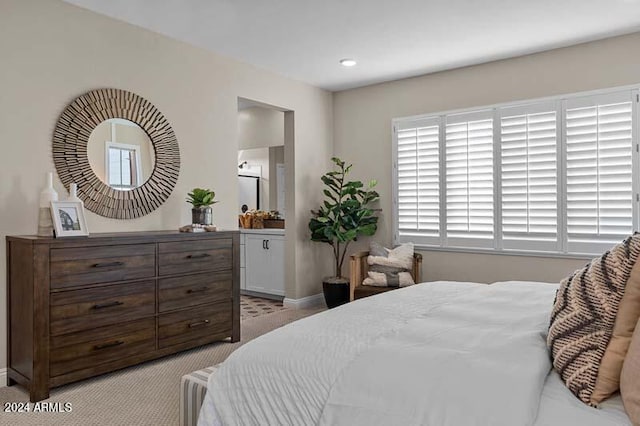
444, 353
559, 407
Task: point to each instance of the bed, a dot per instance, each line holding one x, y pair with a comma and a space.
440, 353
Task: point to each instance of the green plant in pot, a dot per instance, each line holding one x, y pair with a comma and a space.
201, 200
345, 215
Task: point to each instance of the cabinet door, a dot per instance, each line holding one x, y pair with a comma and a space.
264, 264
275, 251
257, 268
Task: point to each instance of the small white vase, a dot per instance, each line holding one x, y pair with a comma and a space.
47, 195
73, 193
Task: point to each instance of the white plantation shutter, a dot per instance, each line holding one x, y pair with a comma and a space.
529, 176
418, 191
469, 179
560, 175
599, 171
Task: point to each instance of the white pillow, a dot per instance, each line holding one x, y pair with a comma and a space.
390, 267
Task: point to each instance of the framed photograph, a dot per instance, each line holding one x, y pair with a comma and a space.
68, 219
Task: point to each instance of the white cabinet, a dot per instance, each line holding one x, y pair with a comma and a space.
264, 263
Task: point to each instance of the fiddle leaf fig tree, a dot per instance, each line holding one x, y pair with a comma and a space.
345, 214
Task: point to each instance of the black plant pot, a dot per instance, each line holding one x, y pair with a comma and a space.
336, 291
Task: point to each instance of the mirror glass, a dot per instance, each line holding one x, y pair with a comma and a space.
121, 154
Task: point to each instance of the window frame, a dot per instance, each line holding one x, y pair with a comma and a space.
433, 240
529, 108
560, 248
123, 147
471, 238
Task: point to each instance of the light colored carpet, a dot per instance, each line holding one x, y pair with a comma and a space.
146, 394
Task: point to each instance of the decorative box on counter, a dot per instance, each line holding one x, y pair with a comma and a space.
274, 223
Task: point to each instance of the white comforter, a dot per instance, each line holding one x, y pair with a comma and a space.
443, 353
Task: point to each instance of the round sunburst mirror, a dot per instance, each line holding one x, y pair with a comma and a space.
120, 151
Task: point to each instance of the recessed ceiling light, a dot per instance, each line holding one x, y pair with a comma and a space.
347, 62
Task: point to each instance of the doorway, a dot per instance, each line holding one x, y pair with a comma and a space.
262, 198
261, 157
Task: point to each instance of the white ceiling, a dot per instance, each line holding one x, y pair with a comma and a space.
305, 39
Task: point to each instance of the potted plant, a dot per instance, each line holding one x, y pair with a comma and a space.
344, 215
201, 200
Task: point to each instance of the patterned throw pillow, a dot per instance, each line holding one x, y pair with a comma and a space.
389, 267
584, 315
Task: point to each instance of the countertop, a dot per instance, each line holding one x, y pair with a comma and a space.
270, 231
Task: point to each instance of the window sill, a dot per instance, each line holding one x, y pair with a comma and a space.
524, 253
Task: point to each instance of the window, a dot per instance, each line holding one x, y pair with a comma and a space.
553, 176
529, 177
418, 168
469, 179
123, 165
599, 169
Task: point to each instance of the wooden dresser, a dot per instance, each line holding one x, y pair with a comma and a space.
83, 306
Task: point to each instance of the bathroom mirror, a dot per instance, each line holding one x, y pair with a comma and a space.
121, 154
120, 151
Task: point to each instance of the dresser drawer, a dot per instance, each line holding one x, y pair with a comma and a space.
213, 321
96, 307
89, 348
193, 290
195, 256
90, 265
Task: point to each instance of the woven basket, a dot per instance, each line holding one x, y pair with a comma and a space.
245, 221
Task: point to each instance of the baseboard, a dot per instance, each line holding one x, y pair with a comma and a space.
305, 302
263, 295
3, 377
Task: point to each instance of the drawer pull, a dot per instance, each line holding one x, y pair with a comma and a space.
107, 305
108, 345
198, 256
198, 324
107, 264
197, 290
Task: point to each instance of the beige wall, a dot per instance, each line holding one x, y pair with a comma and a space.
52, 52
260, 127
489, 268
362, 130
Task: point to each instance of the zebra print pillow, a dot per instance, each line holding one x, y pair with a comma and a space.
584, 315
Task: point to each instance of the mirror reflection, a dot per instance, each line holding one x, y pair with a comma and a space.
121, 154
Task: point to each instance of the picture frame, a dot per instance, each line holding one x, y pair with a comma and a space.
68, 219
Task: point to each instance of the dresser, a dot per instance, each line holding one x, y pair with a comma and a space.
83, 306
